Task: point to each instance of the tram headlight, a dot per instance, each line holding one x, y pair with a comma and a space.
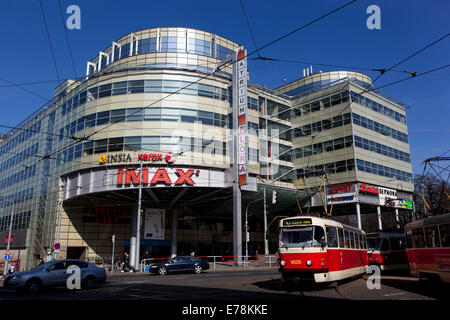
309, 263
283, 262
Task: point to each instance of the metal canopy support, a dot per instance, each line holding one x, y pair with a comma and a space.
152, 194
358, 215
179, 195
173, 245
380, 225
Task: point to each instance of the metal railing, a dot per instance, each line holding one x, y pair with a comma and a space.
244, 261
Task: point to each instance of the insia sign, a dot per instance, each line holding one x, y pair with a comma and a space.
161, 176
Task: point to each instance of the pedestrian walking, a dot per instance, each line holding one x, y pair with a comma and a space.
126, 263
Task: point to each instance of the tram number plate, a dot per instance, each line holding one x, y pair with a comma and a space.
296, 261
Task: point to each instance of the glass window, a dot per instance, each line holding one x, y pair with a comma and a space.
419, 241
134, 114
357, 235
104, 90
346, 239
384, 244
101, 146
132, 143
444, 230
332, 237
352, 240
302, 237
432, 237
119, 88
117, 115
115, 144
397, 244
136, 86
102, 117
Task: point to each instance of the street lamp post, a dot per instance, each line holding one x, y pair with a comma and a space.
5, 269
246, 228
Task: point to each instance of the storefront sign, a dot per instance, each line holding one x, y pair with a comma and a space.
369, 190
341, 188
161, 176
341, 198
114, 158
102, 215
154, 224
240, 102
405, 204
128, 157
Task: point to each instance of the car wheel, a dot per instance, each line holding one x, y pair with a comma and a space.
33, 285
89, 282
162, 271
198, 269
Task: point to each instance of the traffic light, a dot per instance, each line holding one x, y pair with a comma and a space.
274, 197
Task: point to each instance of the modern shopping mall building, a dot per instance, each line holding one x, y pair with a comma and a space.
161, 99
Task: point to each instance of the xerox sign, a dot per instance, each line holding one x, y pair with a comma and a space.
121, 178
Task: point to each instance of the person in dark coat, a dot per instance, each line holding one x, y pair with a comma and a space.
126, 263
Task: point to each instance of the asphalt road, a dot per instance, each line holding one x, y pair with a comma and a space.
237, 285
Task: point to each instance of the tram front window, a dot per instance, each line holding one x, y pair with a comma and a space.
374, 244
302, 237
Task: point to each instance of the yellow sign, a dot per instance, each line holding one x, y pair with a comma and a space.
102, 159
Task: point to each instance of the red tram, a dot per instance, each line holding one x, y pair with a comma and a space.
387, 250
428, 247
322, 250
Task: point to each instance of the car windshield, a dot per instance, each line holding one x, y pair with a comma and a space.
43, 266
302, 237
374, 244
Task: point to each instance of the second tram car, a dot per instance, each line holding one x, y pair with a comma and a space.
428, 247
323, 250
387, 250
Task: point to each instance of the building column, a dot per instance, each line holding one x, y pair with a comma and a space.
358, 215
397, 219
132, 252
173, 245
380, 225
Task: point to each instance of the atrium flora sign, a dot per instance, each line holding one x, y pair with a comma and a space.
178, 178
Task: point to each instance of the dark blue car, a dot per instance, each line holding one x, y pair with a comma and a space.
180, 264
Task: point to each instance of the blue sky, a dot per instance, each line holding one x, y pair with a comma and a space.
340, 39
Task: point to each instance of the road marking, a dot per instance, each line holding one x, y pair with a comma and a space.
394, 294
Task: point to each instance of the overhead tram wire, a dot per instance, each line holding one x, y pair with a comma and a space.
12, 84
250, 28
27, 84
67, 39
383, 72
323, 64
49, 40
217, 69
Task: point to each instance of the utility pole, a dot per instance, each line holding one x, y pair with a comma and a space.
138, 222
246, 228
5, 269
112, 257
266, 241
56, 254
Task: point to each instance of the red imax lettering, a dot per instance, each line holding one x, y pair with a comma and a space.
161, 175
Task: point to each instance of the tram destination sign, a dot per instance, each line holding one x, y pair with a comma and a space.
297, 222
